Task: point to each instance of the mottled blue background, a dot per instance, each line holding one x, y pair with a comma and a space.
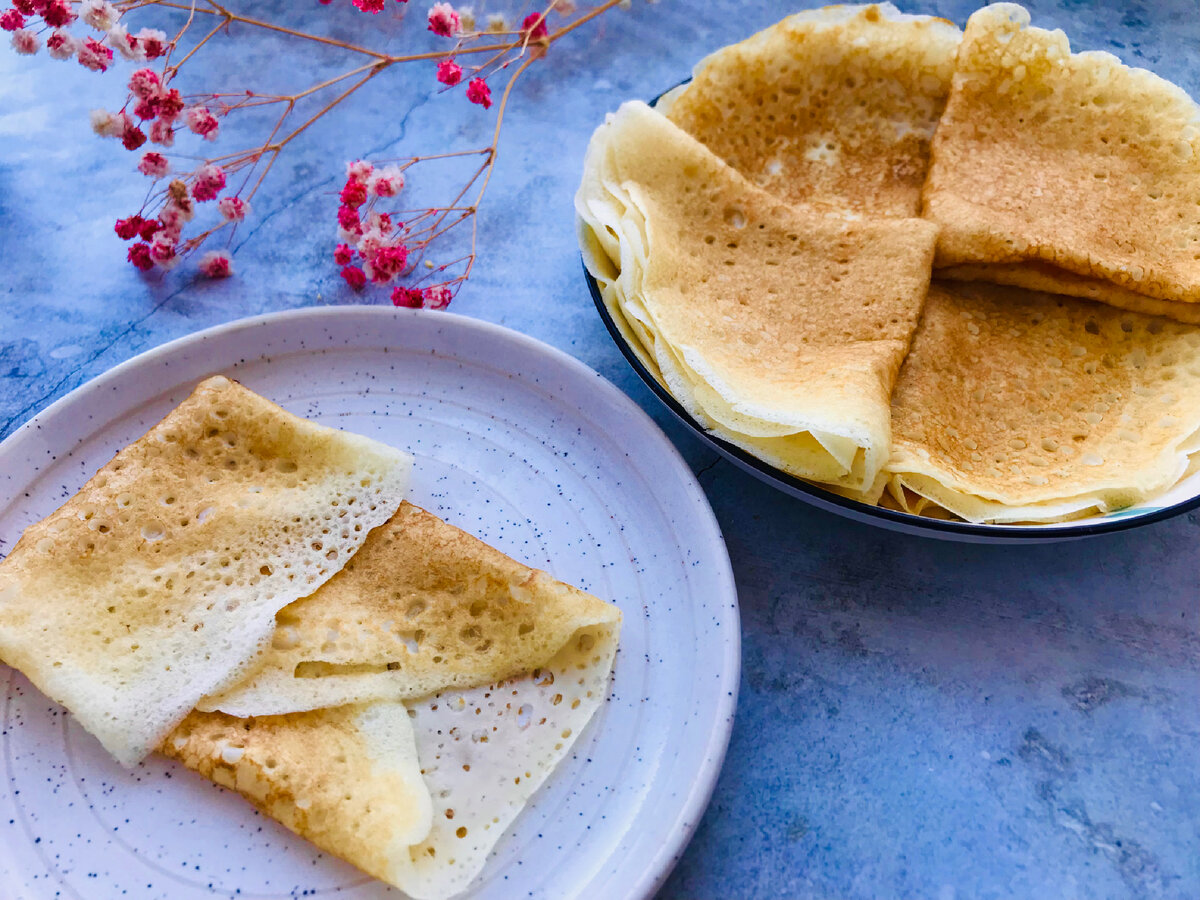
916, 719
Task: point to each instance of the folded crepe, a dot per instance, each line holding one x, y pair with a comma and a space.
159, 580
778, 329
1015, 406
415, 791
832, 107
1066, 172
422, 607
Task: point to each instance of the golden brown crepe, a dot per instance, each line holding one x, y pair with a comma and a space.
423, 606
500, 668
1015, 406
1069, 172
831, 108
348, 779
157, 582
778, 329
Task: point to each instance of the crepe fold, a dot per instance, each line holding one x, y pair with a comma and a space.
832, 108
479, 674
1016, 406
422, 607
778, 329
157, 582
1067, 172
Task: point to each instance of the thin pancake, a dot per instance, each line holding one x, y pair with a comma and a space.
423, 606
831, 107
347, 779
1073, 162
779, 330
1014, 406
157, 582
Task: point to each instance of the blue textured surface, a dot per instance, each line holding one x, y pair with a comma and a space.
916, 719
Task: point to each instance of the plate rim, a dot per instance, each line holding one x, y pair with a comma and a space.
690, 812
894, 519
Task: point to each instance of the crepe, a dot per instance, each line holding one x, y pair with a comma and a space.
347, 779
422, 607
779, 330
157, 582
832, 107
1015, 406
483, 744
1069, 172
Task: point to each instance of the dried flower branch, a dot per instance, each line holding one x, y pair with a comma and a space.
378, 244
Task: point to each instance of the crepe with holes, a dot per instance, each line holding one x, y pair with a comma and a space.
779, 330
831, 107
1015, 406
500, 667
347, 779
157, 582
1067, 172
422, 607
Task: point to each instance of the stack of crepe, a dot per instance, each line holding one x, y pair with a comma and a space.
765, 240
248, 592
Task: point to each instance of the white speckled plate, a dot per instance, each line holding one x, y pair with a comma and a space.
516, 443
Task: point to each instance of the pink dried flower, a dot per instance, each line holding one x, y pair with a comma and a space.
343, 254
162, 250
355, 277
25, 42
387, 182
179, 209
144, 84
210, 180
108, 124
371, 6
216, 264
381, 222
61, 45
11, 20
479, 92
124, 44
145, 109
437, 297
127, 229
409, 298
444, 20
359, 170
162, 133
354, 194
348, 219
58, 14
152, 41
534, 27
449, 72
139, 255
388, 262
150, 227
233, 209
132, 137
169, 104
27, 7
202, 122
94, 55
100, 14
153, 164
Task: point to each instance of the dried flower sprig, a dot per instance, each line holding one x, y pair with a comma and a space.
378, 245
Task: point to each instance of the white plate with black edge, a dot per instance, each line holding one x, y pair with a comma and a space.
1181, 498
515, 442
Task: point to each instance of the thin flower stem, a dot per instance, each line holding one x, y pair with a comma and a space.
204, 40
